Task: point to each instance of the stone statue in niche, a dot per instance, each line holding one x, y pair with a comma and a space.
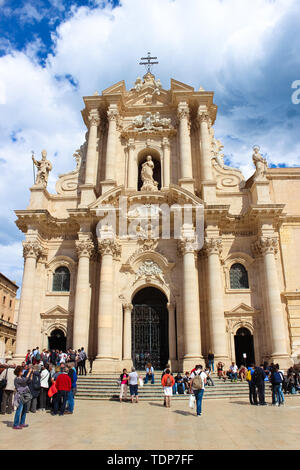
149, 184
260, 163
43, 169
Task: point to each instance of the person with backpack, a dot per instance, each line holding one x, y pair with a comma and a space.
258, 381
252, 387
198, 381
35, 389
168, 382
22, 396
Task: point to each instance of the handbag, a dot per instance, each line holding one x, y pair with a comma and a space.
52, 390
3, 382
25, 397
192, 400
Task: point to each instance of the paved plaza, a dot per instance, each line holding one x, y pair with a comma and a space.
225, 424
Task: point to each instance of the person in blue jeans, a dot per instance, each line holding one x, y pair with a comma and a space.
178, 381
276, 381
211, 361
21, 385
198, 381
149, 373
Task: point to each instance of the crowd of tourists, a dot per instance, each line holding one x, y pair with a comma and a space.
45, 381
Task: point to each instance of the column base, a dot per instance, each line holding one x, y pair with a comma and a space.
188, 184
189, 362
106, 365
284, 360
107, 185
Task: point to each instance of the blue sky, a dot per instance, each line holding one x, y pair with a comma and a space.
53, 52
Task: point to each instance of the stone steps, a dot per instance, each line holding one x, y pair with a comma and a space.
105, 387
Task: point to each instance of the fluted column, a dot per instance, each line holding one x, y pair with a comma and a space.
127, 332
172, 334
268, 247
132, 172
82, 295
166, 162
109, 248
205, 141
110, 162
213, 248
186, 180
31, 251
91, 155
191, 307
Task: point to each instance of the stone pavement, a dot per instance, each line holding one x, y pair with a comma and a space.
224, 424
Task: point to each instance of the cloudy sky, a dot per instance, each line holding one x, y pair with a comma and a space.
53, 52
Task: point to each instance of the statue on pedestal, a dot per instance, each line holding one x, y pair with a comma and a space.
43, 169
149, 184
260, 163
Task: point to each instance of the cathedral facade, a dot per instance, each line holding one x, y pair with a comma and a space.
153, 250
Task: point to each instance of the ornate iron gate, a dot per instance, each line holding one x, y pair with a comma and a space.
149, 336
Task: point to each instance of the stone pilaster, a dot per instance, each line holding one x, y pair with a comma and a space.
186, 181
208, 186
215, 292
191, 306
166, 162
109, 249
88, 189
267, 247
132, 173
110, 162
172, 336
31, 252
127, 356
84, 249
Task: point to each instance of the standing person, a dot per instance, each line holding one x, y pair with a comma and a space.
44, 377
276, 381
149, 373
83, 358
258, 380
28, 357
78, 363
168, 382
63, 384
133, 379
124, 385
211, 361
35, 389
71, 395
8, 390
198, 381
252, 387
22, 395
91, 360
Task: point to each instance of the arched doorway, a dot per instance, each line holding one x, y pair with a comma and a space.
244, 347
57, 340
149, 323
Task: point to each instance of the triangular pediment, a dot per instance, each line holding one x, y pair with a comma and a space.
179, 86
242, 309
116, 88
57, 311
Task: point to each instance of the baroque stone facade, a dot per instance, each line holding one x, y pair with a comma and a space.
152, 242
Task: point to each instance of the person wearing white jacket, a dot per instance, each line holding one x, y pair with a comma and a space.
45, 374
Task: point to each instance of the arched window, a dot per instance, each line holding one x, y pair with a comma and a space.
238, 277
61, 280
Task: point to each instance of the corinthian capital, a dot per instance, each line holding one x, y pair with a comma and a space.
113, 113
94, 118
213, 246
187, 245
204, 117
127, 306
109, 246
32, 249
265, 245
183, 111
84, 248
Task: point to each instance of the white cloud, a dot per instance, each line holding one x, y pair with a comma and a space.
229, 47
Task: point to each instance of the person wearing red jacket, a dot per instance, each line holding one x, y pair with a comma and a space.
167, 382
63, 384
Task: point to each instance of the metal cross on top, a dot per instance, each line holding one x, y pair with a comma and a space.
148, 64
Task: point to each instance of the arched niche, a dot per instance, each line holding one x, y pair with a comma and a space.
156, 158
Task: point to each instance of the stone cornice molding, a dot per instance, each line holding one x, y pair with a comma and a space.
84, 248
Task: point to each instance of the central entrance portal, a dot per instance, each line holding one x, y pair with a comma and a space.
150, 342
